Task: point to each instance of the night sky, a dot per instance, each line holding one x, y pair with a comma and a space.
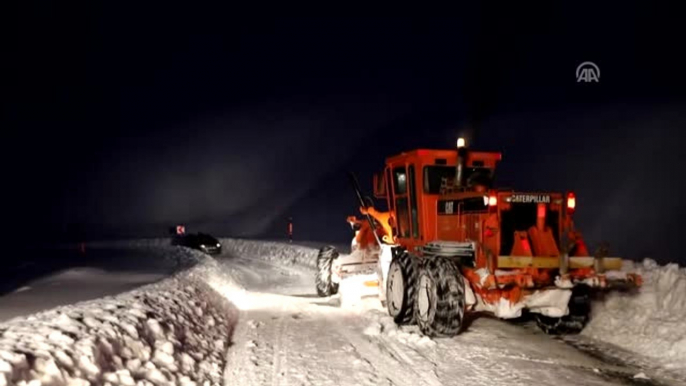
121, 121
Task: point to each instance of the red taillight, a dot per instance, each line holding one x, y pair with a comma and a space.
540, 211
492, 200
571, 203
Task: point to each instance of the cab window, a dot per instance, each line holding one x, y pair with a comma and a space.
400, 180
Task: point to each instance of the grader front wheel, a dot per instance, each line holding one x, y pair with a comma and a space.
401, 285
325, 286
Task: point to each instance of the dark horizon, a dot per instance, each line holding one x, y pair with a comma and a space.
124, 123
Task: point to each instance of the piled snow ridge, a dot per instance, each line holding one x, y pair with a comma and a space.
175, 332
651, 322
275, 252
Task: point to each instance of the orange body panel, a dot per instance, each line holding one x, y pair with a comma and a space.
543, 242
521, 245
364, 236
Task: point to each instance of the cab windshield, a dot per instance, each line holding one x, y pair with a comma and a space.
437, 175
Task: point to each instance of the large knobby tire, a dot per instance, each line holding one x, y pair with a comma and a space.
440, 299
401, 284
322, 279
572, 323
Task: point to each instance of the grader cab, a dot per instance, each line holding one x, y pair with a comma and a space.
452, 242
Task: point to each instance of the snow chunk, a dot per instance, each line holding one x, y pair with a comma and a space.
5, 367
641, 375
373, 330
87, 365
49, 370
165, 346
154, 329
185, 381
156, 377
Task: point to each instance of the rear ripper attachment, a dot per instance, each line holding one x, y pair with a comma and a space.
452, 242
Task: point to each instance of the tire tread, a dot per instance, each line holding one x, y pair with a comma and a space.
409, 268
449, 303
325, 257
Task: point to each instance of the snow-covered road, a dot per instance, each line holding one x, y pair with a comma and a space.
286, 335
251, 317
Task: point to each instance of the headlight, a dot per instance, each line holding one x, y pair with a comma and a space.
218, 245
202, 245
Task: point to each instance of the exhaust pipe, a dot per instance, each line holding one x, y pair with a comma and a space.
461, 159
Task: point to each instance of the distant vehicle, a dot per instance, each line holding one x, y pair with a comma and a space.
199, 241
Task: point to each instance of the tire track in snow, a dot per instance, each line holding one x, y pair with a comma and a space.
483, 356
280, 350
238, 357
421, 364
621, 364
258, 355
387, 361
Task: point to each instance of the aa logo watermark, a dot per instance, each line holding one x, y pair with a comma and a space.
587, 72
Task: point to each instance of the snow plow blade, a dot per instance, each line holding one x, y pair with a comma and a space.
357, 278
354, 264
605, 272
575, 262
353, 289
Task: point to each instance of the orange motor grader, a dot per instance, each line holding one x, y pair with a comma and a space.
451, 242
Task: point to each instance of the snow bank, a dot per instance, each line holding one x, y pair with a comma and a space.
176, 331
651, 322
275, 252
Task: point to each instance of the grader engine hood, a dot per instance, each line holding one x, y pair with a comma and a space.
531, 224
536, 231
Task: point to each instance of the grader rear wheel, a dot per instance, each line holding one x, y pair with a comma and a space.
575, 321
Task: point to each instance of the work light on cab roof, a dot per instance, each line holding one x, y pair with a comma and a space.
461, 142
